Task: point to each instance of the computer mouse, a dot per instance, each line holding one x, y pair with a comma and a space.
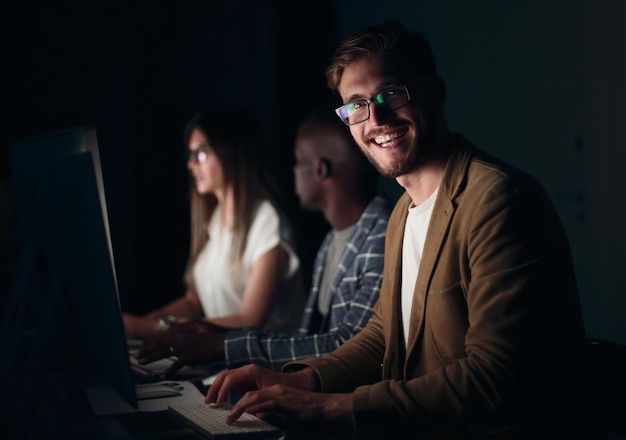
156, 391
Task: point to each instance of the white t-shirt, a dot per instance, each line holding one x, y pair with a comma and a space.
412, 248
333, 256
220, 284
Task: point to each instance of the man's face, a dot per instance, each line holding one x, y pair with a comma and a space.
392, 141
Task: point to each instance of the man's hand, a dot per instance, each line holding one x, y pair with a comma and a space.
139, 327
291, 407
193, 342
246, 378
282, 398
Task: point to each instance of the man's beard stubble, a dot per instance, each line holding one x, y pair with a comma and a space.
419, 152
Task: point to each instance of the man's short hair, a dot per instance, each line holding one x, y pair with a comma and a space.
410, 51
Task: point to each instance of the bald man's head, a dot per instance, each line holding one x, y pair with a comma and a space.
329, 140
325, 149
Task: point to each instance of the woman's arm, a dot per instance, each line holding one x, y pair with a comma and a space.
184, 308
261, 290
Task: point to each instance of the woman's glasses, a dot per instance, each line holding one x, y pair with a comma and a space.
198, 155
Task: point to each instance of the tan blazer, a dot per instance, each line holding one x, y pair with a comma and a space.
496, 331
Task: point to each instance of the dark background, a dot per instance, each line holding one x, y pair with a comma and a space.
540, 83
138, 70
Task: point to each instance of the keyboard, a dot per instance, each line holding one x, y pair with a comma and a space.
152, 371
210, 422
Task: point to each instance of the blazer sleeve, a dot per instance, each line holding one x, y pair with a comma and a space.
499, 328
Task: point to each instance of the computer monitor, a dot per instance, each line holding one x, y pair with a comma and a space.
66, 271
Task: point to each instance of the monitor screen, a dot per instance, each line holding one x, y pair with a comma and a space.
66, 271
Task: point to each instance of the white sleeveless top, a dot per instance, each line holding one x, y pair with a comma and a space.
220, 284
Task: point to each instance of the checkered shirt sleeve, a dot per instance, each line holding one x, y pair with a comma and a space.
354, 292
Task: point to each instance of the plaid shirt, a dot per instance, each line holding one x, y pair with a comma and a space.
354, 292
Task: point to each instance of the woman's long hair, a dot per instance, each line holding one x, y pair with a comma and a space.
236, 137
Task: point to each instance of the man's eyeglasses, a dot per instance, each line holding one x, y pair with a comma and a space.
198, 155
389, 99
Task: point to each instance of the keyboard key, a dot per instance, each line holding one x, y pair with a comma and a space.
210, 421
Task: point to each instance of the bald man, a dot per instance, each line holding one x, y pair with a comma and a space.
331, 176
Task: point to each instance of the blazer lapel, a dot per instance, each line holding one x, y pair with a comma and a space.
392, 280
443, 212
437, 230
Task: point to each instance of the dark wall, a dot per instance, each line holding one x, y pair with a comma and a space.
138, 71
542, 85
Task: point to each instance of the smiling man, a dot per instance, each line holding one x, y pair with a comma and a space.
478, 331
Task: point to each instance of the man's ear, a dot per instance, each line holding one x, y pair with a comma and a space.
323, 167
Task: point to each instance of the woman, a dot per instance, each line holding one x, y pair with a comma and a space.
241, 258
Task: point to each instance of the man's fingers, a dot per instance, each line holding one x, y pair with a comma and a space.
253, 402
236, 412
150, 348
148, 356
177, 365
223, 388
212, 394
219, 389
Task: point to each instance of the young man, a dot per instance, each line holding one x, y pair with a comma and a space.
478, 330
331, 176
